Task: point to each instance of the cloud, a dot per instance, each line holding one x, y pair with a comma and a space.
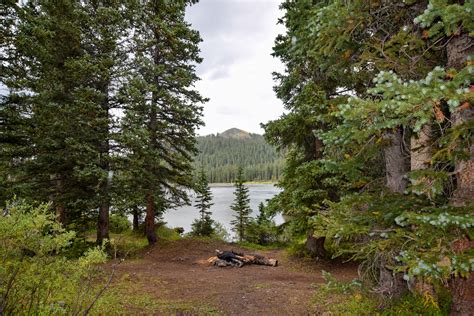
238, 37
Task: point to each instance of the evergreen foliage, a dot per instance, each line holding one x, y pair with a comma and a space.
161, 108
203, 226
241, 206
221, 157
379, 132
262, 229
69, 69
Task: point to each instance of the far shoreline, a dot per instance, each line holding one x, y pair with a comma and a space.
228, 184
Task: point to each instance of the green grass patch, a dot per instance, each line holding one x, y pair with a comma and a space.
127, 244
128, 297
342, 298
166, 233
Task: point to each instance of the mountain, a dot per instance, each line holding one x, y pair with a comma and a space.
223, 153
235, 133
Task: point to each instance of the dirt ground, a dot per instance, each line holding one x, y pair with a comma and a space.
176, 271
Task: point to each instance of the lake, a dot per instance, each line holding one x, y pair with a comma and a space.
223, 197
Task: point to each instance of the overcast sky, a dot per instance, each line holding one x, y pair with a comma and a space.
236, 73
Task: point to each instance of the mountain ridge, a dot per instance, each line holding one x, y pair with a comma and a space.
221, 154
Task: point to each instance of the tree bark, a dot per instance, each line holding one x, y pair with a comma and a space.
104, 163
59, 207
462, 289
104, 208
150, 220
395, 162
135, 219
60, 213
391, 285
103, 223
315, 245
458, 49
464, 169
420, 149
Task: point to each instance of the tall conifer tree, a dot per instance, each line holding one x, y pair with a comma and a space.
241, 206
204, 225
162, 109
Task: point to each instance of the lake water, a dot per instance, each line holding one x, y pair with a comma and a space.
223, 197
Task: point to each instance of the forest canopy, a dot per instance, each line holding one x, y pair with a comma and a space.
221, 156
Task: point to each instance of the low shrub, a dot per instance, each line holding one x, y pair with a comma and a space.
119, 223
35, 275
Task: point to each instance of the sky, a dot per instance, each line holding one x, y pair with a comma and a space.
236, 73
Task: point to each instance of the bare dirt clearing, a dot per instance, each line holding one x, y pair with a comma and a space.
176, 280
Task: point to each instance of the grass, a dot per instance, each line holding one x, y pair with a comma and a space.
129, 244
129, 296
166, 233
341, 298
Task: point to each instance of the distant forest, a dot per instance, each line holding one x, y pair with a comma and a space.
222, 154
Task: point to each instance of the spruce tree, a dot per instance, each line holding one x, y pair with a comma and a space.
262, 216
49, 134
161, 109
105, 39
380, 104
204, 225
241, 206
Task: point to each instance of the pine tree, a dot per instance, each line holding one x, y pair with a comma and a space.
49, 108
161, 108
106, 28
262, 215
241, 206
204, 225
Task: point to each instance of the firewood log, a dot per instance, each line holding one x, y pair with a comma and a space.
239, 259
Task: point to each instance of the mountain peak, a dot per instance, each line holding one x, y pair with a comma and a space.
235, 133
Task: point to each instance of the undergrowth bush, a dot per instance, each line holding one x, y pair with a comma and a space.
119, 223
35, 275
352, 298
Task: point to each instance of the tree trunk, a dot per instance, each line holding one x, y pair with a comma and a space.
458, 49
391, 285
420, 158
150, 220
464, 169
104, 163
420, 150
135, 219
395, 162
59, 207
60, 213
315, 245
104, 209
103, 223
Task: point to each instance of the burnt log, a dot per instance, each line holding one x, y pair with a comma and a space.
238, 259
